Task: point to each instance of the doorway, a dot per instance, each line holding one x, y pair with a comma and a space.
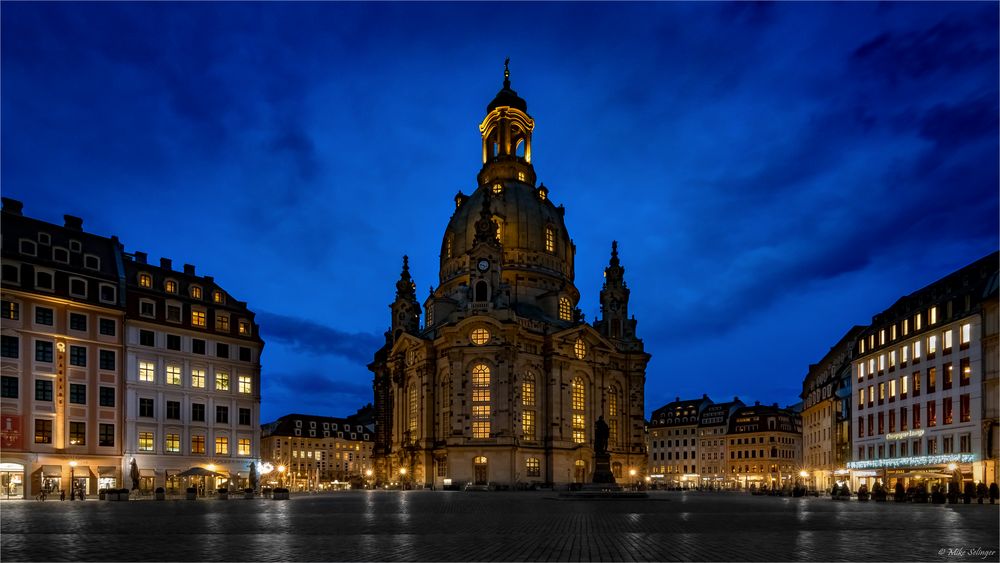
481, 470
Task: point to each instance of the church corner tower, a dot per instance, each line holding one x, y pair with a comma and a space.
503, 383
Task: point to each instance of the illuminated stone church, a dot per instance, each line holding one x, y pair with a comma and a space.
503, 383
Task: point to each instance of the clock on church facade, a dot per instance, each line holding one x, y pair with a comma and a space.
503, 382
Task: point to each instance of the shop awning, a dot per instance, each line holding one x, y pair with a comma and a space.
107, 471
51, 470
147, 473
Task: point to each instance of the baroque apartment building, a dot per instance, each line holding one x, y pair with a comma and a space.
309, 453
106, 359
62, 357
826, 415
765, 447
192, 375
504, 381
925, 383
713, 426
673, 443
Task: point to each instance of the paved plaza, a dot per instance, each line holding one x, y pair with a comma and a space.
495, 526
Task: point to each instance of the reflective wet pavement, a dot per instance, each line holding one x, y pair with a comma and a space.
483, 526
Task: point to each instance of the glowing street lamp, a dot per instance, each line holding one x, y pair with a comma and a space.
631, 473
281, 475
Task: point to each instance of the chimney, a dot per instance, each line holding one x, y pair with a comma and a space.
12, 206
73, 223
140, 257
189, 269
209, 279
166, 264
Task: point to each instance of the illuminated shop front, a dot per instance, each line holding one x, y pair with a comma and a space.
12, 479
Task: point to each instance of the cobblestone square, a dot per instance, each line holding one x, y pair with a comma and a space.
487, 526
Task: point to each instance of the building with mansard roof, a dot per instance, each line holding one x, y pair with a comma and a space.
504, 380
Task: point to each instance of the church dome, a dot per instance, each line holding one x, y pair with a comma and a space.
532, 232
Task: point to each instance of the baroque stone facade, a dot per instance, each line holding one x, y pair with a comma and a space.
503, 383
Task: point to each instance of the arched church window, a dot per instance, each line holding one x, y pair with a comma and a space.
528, 390
412, 409
479, 336
613, 415
565, 311
480, 401
579, 401
580, 348
482, 291
550, 239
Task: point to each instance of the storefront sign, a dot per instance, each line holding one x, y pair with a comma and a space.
904, 435
10, 432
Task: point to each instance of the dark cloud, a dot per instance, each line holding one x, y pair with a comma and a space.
318, 340
950, 45
969, 121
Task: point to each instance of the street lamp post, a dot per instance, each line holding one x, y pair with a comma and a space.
402, 477
281, 475
72, 479
631, 473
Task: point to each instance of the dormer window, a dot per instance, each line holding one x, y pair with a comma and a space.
170, 286
28, 247
195, 292
145, 280
218, 297
60, 255
44, 239
91, 262
75, 246
244, 328
497, 188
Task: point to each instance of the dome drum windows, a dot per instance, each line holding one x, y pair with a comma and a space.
565, 309
550, 239
479, 336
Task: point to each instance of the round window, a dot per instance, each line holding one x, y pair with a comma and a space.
480, 336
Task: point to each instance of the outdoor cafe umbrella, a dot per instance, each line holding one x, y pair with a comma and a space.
134, 474
199, 472
253, 475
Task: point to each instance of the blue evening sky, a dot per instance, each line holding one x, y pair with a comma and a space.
775, 173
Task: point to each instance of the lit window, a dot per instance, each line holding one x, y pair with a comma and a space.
916, 350
197, 444
173, 443
145, 280
933, 317
893, 332
170, 286
481, 401
906, 327
195, 292
498, 188
580, 349
948, 340
221, 381
861, 346
222, 445
917, 321
966, 334
932, 344
244, 446
533, 468
447, 246
198, 319
218, 297
145, 441
892, 359
480, 336
881, 362
903, 384
579, 399
528, 424
892, 388
244, 328
222, 323
197, 378
881, 337
528, 390
861, 397
564, 309
906, 354
244, 383
147, 371
173, 375
412, 394
550, 239
861, 371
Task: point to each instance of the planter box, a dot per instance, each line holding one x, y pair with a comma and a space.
280, 495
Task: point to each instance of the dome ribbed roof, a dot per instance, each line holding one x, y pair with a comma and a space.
507, 97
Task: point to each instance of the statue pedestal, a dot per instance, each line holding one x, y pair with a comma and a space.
604, 479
